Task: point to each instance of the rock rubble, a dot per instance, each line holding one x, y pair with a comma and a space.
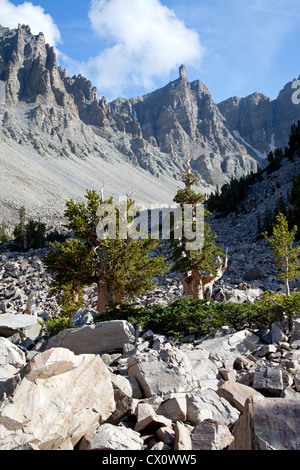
150, 392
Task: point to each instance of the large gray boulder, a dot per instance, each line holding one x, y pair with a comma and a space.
54, 401
162, 371
27, 326
206, 404
269, 424
99, 338
233, 345
109, 437
269, 381
12, 359
211, 435
206, 372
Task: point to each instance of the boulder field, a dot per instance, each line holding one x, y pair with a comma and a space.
107, 386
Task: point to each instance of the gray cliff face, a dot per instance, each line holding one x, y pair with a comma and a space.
264, 124
62, 117
181, 119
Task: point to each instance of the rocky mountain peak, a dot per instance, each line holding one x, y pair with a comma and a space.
61, 116
182, 72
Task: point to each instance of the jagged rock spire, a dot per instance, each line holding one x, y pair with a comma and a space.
182, 72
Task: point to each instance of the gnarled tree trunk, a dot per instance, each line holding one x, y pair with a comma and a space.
103, 297
200, 286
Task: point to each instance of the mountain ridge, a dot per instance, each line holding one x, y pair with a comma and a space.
61, 118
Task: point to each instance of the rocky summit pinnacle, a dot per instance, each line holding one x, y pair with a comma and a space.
54, 116
183, 72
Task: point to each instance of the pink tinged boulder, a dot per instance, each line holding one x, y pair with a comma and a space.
206, 404
183, 439
54, 401
237, 394
269, 424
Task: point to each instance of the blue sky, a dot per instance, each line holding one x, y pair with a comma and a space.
131, 47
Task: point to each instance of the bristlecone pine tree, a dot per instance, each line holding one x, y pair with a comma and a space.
200, 268
285, 253
121, 267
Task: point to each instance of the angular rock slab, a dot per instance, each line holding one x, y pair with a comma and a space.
109, 437
237, 394
12, 359
211, 435
268, 380
161, 372
54, 401
183, 439
206, 404
233, 345
26, 325
100, 338
269, 424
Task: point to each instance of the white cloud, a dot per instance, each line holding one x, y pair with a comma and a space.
34, 16
146, 41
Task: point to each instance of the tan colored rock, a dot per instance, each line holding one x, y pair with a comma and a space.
55, 400
160, 446
143, 410
237, 394
269, 424
206, 404
182, 437
123, 397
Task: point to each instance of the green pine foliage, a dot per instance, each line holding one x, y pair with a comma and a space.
294, 141
274, 160
286, 254
35, 234
120, 267
55, 325
229, 199
186, 315
294, 205
28, 235
199, 261
20, 231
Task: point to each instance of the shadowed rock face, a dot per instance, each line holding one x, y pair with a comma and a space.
59, 116
264, 124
